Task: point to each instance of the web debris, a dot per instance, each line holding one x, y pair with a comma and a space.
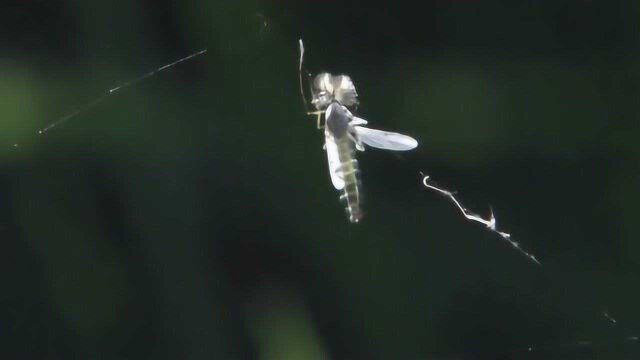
114, 90
264, 24
489, 223
609, 317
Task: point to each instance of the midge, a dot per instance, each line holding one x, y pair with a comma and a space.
335, 97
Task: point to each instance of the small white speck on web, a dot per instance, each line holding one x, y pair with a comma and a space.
488, 223
264, 23
608, 317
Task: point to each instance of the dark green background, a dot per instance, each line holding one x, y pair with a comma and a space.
192, 215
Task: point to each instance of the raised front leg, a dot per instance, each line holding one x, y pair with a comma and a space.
319, 114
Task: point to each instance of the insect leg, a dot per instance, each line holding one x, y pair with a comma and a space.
357, 141
319, 114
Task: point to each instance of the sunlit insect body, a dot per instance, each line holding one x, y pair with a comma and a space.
343, 165
333, 96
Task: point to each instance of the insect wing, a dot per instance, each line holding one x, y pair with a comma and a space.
384, 139
334, 160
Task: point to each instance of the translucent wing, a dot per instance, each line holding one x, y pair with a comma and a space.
334, 160
384, 139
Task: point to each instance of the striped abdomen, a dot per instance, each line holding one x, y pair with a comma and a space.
351, 195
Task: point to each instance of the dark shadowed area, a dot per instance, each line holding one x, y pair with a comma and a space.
191, 215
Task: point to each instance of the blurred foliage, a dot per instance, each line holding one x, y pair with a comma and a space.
191, 215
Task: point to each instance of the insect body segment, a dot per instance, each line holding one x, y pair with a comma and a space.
343, 166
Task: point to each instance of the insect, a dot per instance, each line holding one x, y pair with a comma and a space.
334, 97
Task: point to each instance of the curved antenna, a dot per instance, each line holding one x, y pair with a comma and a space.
304, 99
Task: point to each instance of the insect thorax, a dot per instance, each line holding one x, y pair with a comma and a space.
337, 120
